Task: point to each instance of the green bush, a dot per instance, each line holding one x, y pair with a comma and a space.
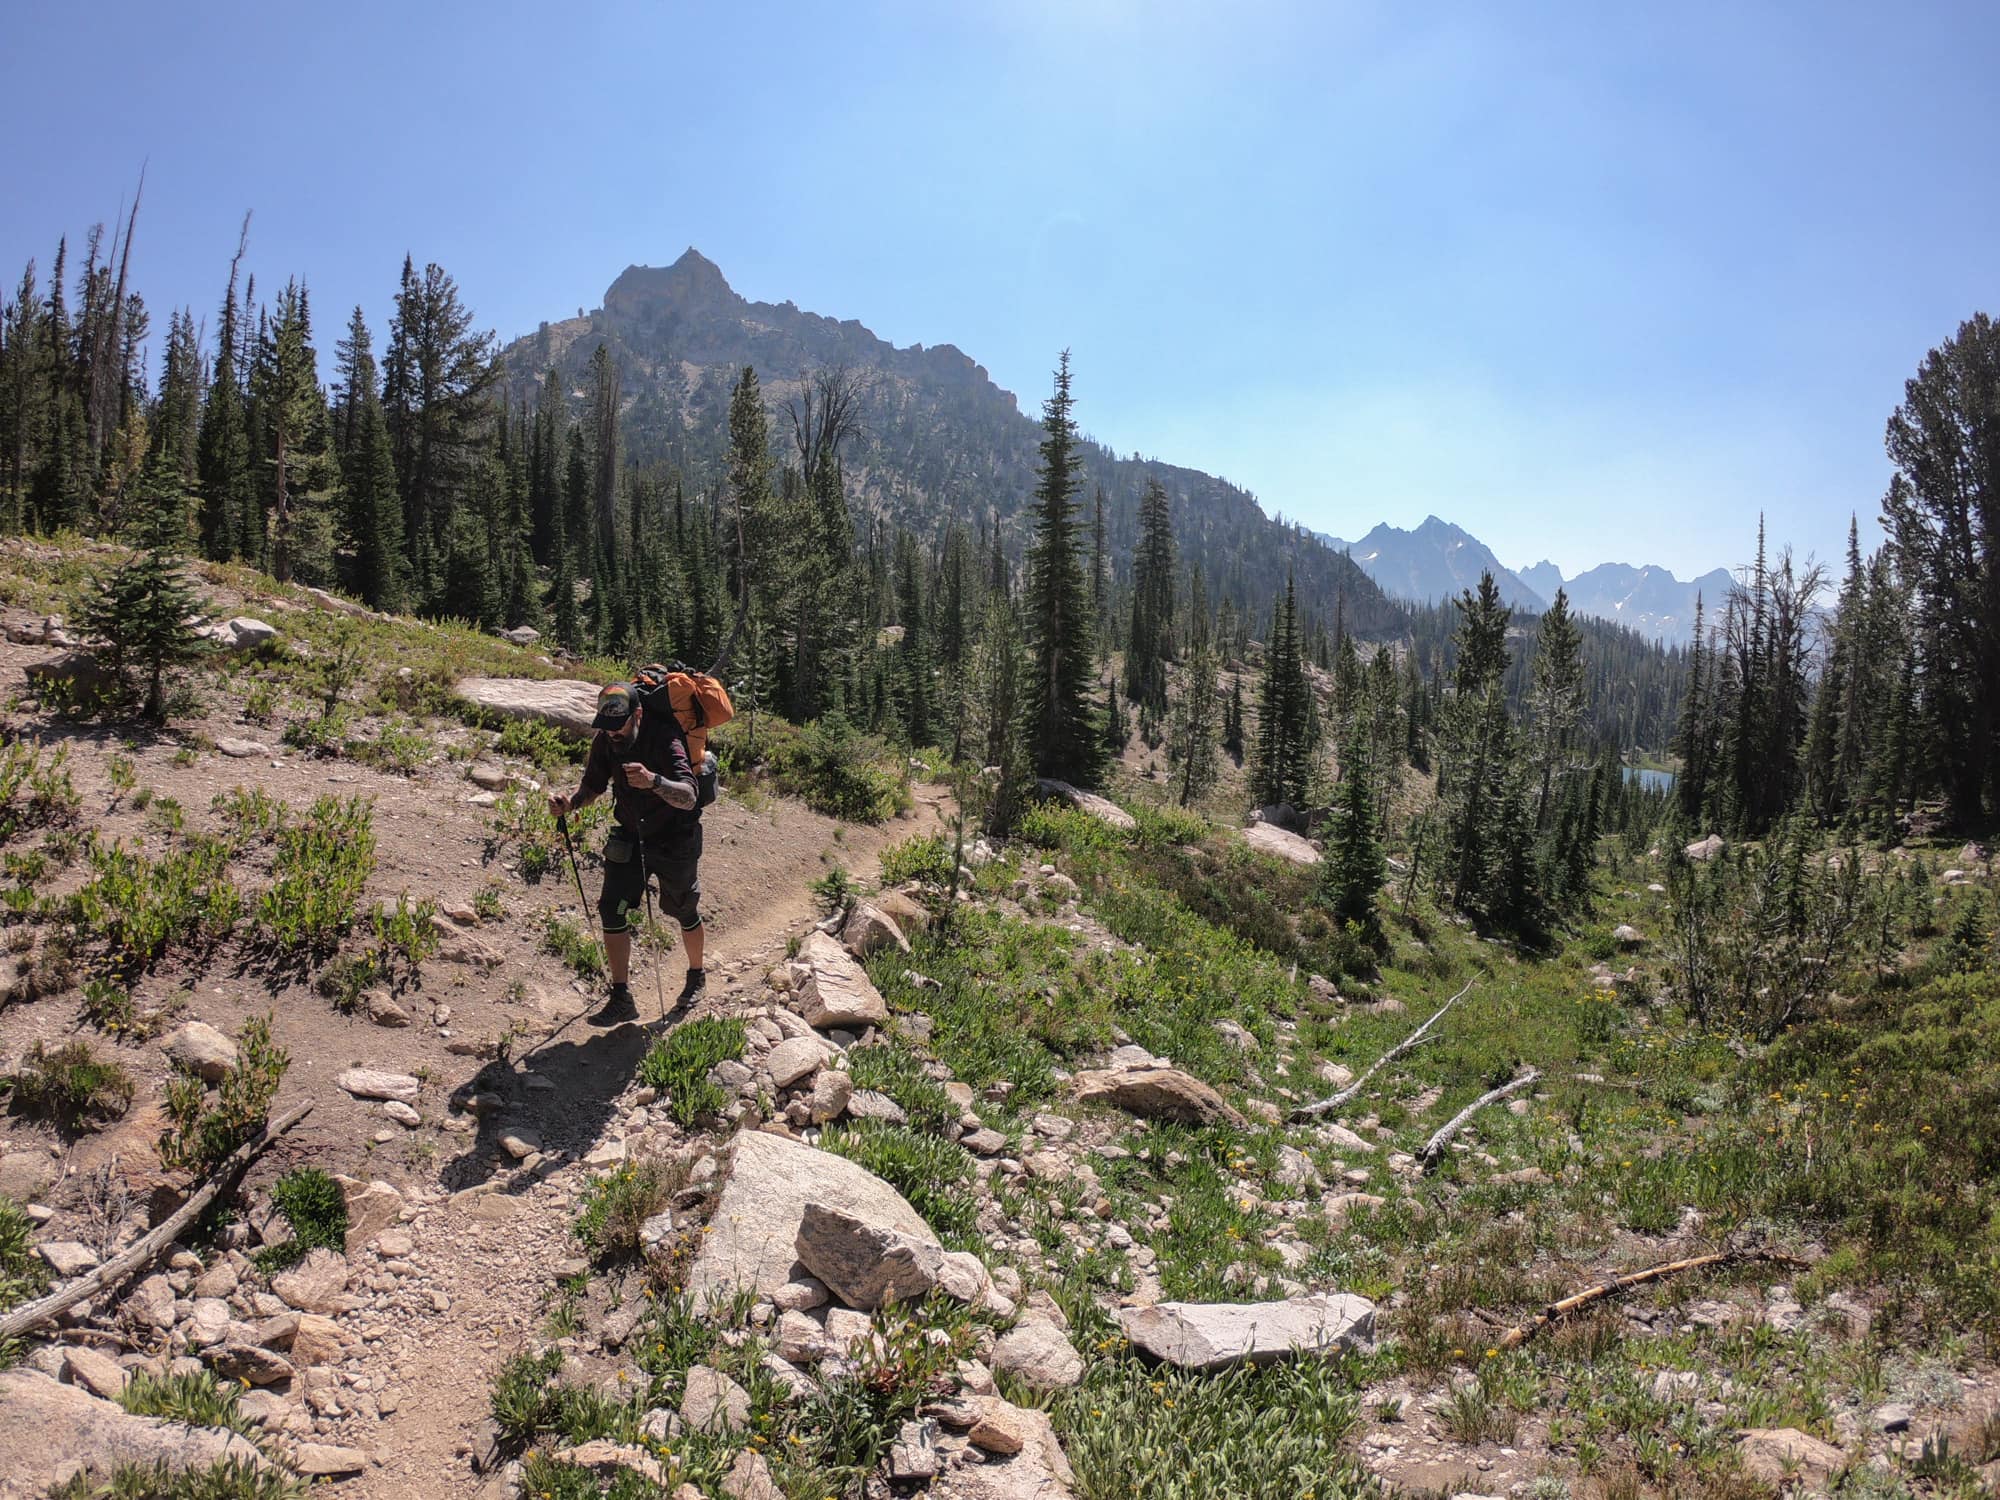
933, 1173
230, 1479
679, 1063
142, 908
576, 946
72, 1086
250, 815
925, 860
836, 770
198, 1136
51, 794
317, 877
316, 1208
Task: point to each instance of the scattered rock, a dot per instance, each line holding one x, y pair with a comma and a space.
241, 1360
402, 1113
866, 1265
868, 1104
1156, 1094
1000, 1427
315, 1460
914, 1454
1236, 1036
521, 635
26, 1175
832, 1091
1103, 810
202, 1049
749, 1478
868, 930
242, 749
364, 1083
316, 1341
605, 1459
68, 1258
795, 1058
1628, 935
97, 1373
371, 1208
521, 1143
383, 1010
1342, 1205
754, 1232
315, 1285
1213, 1335
1700, 851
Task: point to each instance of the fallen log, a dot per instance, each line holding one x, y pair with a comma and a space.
1433, 1151
1335, 1101
1576, 1301
46, 1309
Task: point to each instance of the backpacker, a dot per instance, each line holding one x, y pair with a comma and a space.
698, 700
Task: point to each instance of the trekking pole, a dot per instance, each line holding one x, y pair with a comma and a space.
576, 870
652, 925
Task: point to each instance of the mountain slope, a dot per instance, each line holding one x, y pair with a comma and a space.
940, 441
1434, 562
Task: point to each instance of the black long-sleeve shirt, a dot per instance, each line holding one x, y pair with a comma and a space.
659, 746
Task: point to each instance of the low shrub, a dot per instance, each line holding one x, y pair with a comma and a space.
72, 1086
318, 874
23, 1273
229, 1479
316, 1208
836, 770
195, 1397
199, 1135
249, 815
142, 908
925, 860
617, 1204
678, 1066
576, 946
35, 793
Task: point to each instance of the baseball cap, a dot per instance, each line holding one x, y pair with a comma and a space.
614, 706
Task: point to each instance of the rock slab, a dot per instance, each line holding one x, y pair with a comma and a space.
48, 1429
1269, 838
563, 702
866, 1264
1100, 808
837, 991
1206, 1336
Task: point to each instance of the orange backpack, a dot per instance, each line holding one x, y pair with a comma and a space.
698, 700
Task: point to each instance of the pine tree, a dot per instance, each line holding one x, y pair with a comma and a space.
913, 653
1351, 874
222, 454
1555, 708
1150, 645
1068, 744
1193, 739
1232, 720
1287, 717
143, 615
562, 601
1002, 691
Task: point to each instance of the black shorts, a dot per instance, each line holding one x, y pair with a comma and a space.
674, 865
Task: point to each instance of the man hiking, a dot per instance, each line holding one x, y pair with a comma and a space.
643, 758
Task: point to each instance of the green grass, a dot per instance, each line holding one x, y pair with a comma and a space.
198, 1398
231, 1479
934, 1174
617, 1203
576, 946
679, 1063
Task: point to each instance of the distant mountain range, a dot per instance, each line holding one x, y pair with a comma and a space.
1437, 560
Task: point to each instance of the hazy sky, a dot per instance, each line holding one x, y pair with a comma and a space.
1596, 282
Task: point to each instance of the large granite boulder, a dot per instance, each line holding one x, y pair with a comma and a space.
753, 1236
1100, 808
1269, 838
867, 1264
1215, 1335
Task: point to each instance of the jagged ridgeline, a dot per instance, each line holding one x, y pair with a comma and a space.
934, 439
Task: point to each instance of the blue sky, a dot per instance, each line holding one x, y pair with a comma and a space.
1595, 282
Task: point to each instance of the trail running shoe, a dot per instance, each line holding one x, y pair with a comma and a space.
697, 981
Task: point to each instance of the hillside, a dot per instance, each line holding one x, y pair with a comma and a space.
939, 440
983, 1187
